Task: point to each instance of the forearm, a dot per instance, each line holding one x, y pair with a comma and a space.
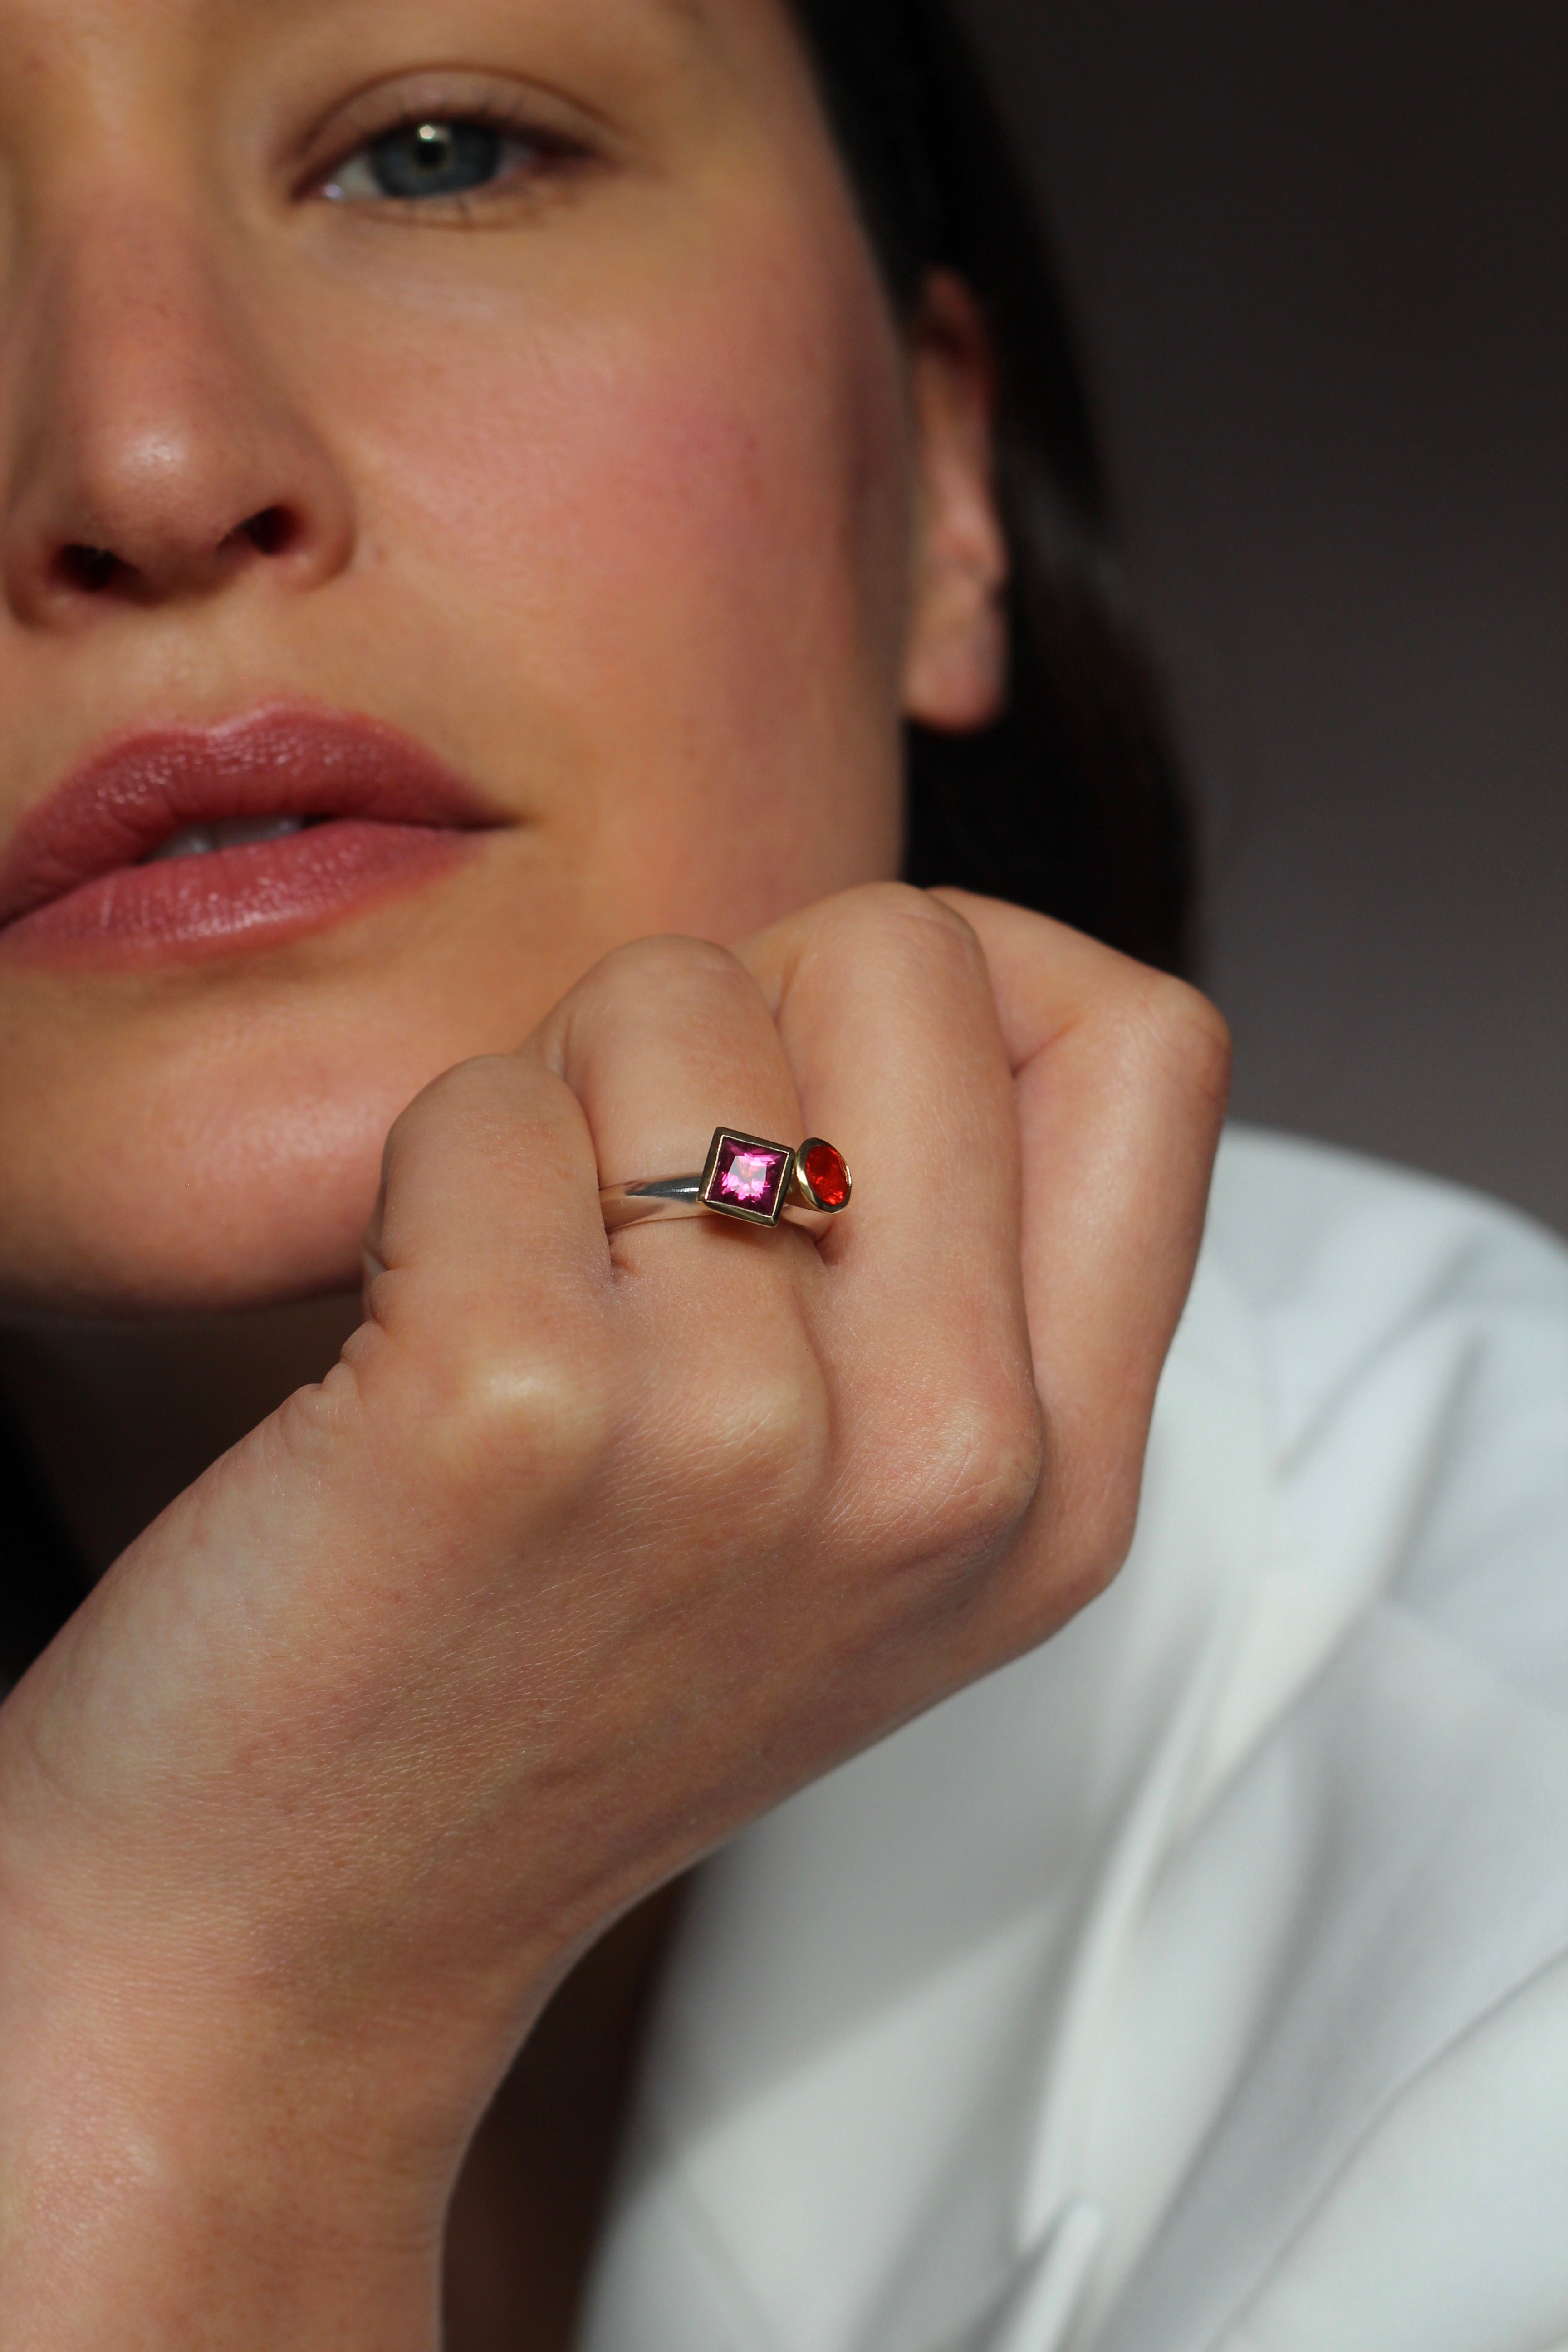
178, 2170
163, 2199
92, 2263
220, 2126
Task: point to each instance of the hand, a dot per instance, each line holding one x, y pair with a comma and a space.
582, 1557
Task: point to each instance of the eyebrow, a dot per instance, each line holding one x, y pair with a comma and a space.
689, 17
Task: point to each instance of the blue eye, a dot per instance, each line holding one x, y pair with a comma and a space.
420, 160
435, 159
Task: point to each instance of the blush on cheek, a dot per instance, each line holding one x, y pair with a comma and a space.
685, 527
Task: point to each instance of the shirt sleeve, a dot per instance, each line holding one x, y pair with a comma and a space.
1448, 2229
1416, 1347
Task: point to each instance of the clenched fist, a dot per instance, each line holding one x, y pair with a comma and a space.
586, 1552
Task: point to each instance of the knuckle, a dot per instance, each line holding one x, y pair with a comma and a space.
759, 1445
672, 968
649, 991
473, 1097
973, 1471
894, 921
1187, 1035
515, 1425
1092, 1522
1102, 1531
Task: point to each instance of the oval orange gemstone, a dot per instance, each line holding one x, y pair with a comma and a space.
824, 1171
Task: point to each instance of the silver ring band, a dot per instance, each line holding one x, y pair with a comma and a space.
746, 1177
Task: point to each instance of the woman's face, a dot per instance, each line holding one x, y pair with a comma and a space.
509, 374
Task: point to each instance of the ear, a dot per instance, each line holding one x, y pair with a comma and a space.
955, 662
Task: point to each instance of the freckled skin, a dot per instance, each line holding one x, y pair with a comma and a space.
609, 496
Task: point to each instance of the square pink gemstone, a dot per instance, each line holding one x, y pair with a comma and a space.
747, 1175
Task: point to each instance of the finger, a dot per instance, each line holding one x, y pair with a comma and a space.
487, 1225
661, 1043
884, 1003
1120, 1076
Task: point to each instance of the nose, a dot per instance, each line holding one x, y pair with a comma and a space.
157, 451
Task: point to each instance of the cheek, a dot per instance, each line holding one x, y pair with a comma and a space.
640, 565
682, 540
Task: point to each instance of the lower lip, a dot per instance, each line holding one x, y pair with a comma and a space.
261, 894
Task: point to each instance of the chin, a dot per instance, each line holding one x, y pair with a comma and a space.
271, 1212
193, 1265
208, 1150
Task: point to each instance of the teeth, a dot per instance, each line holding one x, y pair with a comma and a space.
231, 833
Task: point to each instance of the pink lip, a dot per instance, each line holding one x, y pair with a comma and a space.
385, 815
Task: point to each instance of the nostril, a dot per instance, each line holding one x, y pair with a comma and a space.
86, 570
90, 570
271, 532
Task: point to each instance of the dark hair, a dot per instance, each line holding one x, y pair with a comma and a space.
1072, 800
42, 1582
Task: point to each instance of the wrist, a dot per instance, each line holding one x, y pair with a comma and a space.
121, 2239
161, 2186
179, 2166
220, 2122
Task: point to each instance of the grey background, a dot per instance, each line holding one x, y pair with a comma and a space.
1318, 251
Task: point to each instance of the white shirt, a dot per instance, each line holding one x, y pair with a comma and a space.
1200, 1982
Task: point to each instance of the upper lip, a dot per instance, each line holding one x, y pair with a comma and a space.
133, 795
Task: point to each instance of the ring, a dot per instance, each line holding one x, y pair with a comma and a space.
745, 1177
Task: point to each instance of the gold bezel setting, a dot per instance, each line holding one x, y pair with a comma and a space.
806, 1191
728, 1145
762, 1194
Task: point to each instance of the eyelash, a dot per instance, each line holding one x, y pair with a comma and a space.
550, 153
